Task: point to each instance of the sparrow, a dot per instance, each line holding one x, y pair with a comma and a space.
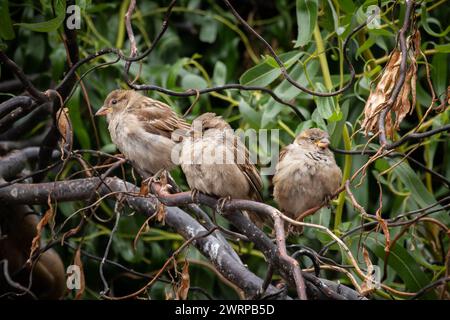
143, 129
216, 162
306, 175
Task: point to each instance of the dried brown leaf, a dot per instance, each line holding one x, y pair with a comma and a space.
48, 216
161, 213
380, 95
77, 261
184, 285
64, 127
367, 286
143, 191
71, 232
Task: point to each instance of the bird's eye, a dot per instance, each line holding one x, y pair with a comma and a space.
311, 138
114, 101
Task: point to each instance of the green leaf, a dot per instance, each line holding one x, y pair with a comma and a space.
303, 126
78, 123
442, 48
249, 114
6, 28
365, 46
420, 193
327, 107
425, 22
193, 81
58, 59
174, 72
50, 25
347, 6
399, 260
219, 73
322, 217
265, 73
272, 62
318, 120
306, 21
287, 91
439, 72
208, 32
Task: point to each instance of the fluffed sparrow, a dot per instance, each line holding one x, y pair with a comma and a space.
216, 162
306, 174
142, 129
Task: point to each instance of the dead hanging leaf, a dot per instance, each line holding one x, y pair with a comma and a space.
161, 213
48, 216
144, 190
72, 231
369, 283
77, 261
169, 294
379, 97
64, 127
183, 287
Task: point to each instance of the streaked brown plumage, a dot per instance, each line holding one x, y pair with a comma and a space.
306, 174
216, 162
142, 129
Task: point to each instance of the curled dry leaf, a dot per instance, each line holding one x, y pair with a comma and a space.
161, 213
380, 95
77, 261
48, 216
144, 190
369, 284
184, 285
64, 127
72, 232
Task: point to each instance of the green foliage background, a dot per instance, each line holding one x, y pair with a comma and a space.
205, 46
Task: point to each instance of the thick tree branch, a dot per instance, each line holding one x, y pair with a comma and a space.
82, 189
28, 86
184, 224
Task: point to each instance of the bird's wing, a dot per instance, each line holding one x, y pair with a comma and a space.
158, 118
248, 169
283, 153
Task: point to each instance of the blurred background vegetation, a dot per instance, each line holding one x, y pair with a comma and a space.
205, 46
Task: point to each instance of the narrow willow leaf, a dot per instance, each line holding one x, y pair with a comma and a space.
306, 21
268, 71
50, 25
219, 73
400, 260
193, 81
208, 32
287, 91
6, 29
421, 196
327, 107
250, 115
426, 20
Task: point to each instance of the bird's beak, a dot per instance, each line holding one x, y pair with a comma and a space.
103, 111
323, 143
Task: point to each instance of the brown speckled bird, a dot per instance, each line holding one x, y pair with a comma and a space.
142, 129
216, 162
306, 174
